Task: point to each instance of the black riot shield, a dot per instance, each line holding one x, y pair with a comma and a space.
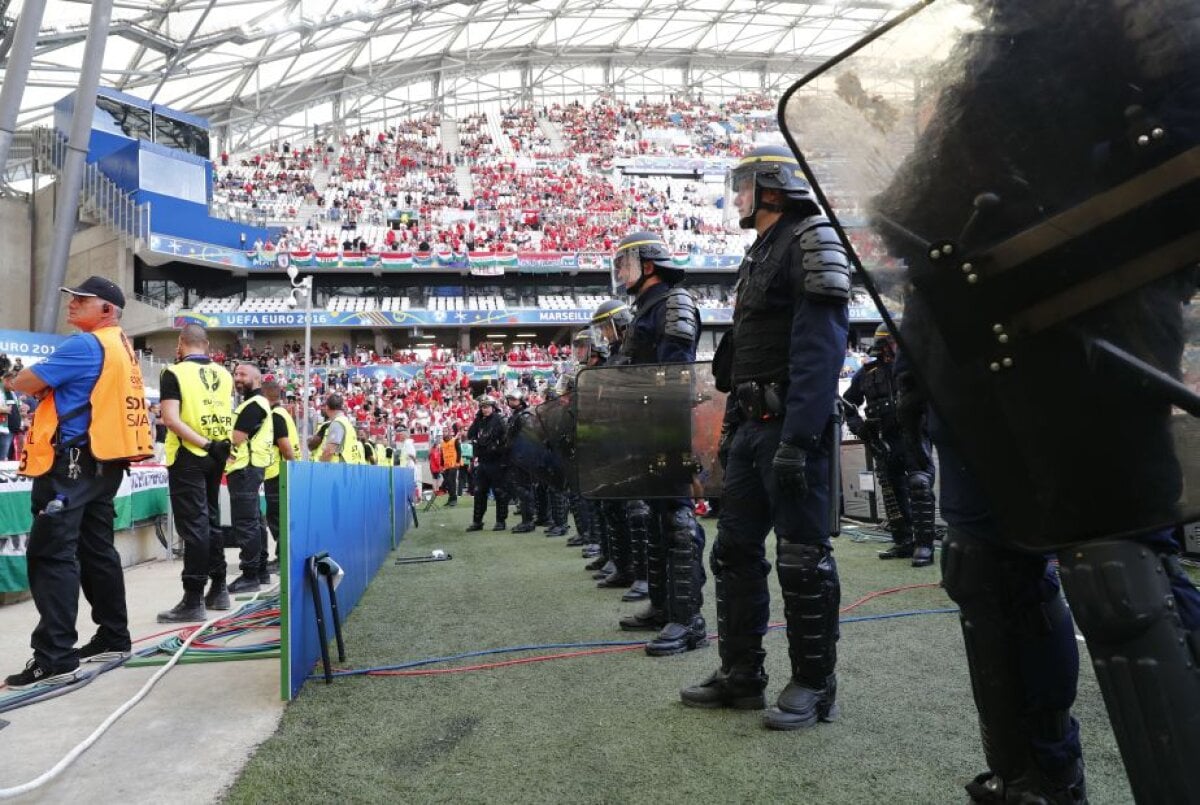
1029, 211
648, 431
556, 423
541, 442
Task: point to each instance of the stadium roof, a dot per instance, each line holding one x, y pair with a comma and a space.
261, 69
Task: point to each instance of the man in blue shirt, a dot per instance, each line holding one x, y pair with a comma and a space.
71, 540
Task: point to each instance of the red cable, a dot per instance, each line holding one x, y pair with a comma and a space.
522, 661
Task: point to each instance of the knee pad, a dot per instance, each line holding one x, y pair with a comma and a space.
920, 486
806, 568
1120, 592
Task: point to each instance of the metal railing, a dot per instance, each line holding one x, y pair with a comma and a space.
99, 196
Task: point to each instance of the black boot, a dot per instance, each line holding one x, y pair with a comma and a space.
800, 706
920, 495
739, 686
523, 528
597, 563
811, 594
218, 596
687, 629
245, 583
1067, 786
900, 550
476, 526
650, 619
922, 556
676, 638
188, 610
500, 526
616, 579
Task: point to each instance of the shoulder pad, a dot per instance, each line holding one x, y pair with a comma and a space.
826, 264
682, 319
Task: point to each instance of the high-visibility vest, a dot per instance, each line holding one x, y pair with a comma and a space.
120, 428
450, 458
205, 404
352, 452
256, 450
293, 437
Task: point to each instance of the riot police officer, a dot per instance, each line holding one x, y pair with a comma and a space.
581, 349
883, 432
615, 561
487, 433
786, 351
519, 480
665, 329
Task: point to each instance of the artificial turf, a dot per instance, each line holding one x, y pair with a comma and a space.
609, 728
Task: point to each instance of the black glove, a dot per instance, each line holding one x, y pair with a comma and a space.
724, 444
219, 451
789, 466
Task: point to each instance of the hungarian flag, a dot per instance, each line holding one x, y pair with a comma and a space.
681, 259
354, 259
327, 259
483, 264
396, 260
302, 257
507, 260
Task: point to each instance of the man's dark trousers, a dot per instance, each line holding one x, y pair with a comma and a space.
195, 483
73, 549
247, 518
271, 492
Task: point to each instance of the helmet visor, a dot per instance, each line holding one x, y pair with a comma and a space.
741, 200
626, 269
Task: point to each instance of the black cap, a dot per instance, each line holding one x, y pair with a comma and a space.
98, 286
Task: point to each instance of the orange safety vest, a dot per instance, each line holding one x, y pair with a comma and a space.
119, 432
449, 457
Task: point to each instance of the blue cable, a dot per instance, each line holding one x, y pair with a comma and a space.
543, 647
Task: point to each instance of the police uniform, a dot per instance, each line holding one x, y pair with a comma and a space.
86, 430
244, 474
781, 362
487, 433
518, 479
666, 329
204, 390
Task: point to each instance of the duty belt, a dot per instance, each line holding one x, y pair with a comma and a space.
760, 401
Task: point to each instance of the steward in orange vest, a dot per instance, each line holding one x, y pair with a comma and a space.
91, 422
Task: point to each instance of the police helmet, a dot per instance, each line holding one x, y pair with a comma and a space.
483, 399
633, 252
609, 322
581, 345
516, 393
769, 167
884, 345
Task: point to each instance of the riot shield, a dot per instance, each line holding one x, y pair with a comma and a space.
1027, 209
556, 422
539, 450
648, 431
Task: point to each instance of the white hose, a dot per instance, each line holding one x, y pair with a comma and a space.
86, 743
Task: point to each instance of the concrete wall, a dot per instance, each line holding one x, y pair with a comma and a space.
95, 249
15, 261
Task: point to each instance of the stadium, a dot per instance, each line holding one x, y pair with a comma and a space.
414, 208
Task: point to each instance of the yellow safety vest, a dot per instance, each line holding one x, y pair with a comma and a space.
205, 404
256, 450
352, 452
293, 437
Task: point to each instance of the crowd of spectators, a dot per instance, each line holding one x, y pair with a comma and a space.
541, 179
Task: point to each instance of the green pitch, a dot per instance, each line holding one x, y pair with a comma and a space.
609, 728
